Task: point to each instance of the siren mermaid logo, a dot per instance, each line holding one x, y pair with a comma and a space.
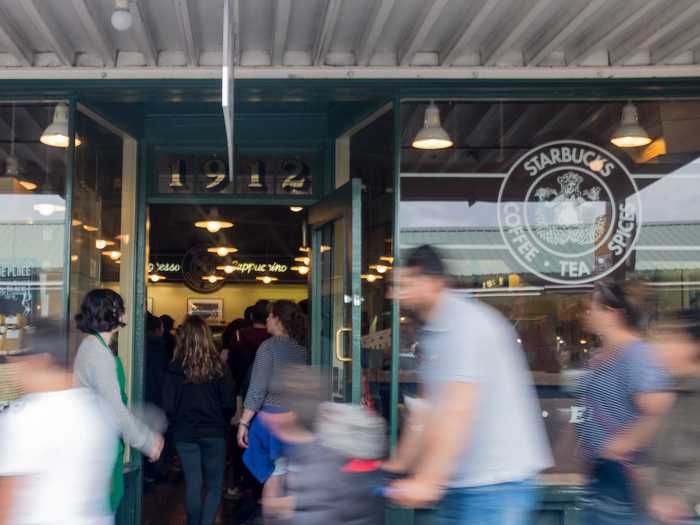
569, 212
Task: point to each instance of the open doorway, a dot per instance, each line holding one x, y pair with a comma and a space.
216, 262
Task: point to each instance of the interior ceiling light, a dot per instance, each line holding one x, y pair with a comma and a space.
214, 223
74, 258
432, 135
101, 244
380, 268
630, 134
155, 278
226, 269
89, 228
222, 251
122, 19
76, 222
304, 260
266, 279
213, 279
296, 209
113, 254
56, 134
370, 278
47, 209
386, 258
303, 270
305, 249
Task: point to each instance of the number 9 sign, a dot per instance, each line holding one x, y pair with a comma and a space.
215, 174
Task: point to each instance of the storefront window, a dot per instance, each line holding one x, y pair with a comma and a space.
535, 201
32, 229
102, 221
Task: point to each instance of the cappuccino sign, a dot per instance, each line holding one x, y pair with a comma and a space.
569, 212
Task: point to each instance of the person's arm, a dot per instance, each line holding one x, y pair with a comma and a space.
8, 486
652, 406
257, 391
170, 392
445, 437
104, 382
412, 440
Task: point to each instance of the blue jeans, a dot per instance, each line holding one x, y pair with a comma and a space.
204, 464
612, 497
501, 504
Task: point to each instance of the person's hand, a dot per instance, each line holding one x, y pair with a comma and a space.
414, 493
394, 466
617, 449
242, 436
668, 509
157, 449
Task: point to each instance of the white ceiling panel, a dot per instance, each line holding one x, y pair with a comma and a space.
430, 36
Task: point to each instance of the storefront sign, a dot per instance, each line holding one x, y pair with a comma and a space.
569, 212
164, 267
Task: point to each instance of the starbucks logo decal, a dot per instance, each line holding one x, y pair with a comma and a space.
569, 212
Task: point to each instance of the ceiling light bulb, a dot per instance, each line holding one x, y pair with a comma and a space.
156, 278
296, 209
213, 226
74, 258
432, 135
303, 270
630, 134
122, 18
89, 228
76, 222
101, 244
304, 249
227, 269
114, 254
304, 260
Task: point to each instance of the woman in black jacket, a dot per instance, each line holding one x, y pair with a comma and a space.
199, 400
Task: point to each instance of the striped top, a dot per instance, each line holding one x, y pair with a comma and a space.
608, 393
271, 360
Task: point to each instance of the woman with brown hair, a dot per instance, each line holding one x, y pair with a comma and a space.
199, 400
288, 327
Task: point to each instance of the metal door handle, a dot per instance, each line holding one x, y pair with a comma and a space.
338, 354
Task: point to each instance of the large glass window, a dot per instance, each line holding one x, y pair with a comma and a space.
533, 202
103, 211
32, 228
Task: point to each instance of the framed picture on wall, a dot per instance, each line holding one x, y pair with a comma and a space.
149, 305
212, 310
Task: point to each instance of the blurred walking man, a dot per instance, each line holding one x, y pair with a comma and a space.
476, 446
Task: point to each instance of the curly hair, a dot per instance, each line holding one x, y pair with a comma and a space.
295, 323
101, 311
196, 351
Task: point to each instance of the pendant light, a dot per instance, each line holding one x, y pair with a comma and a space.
302, 270
12, 177
101, 244
432, 135
222, 251
212, 278
227, 268
370, 278
630, 134
214, 223
266, 279
115, 255
296, 209
156, 278
56, 134
380, 268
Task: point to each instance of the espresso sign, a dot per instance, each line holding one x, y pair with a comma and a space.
569, 212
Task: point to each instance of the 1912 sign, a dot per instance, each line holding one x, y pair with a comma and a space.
256, 174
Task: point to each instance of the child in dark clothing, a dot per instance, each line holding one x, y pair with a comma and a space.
331, 449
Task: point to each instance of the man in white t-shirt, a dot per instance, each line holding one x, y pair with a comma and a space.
56, 447
476, 446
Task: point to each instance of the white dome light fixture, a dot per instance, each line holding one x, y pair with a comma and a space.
122, 19
630, 134
56, 134
432, 135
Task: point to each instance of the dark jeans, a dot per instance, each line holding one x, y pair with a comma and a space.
612, 497
204, 463
501, 504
